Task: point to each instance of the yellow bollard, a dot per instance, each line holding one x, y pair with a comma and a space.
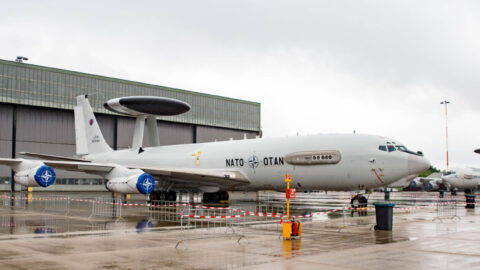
29, 194
287, 230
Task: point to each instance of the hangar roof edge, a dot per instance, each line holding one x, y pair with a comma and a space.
101, 77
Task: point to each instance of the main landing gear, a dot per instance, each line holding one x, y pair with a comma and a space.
215, 197
158, 195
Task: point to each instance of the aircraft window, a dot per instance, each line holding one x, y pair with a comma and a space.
402, 148
382, 148
391, 148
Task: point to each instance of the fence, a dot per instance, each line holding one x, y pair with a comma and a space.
57, 204
167, 211
3, 199
446, 208
262, 216
15, 200
202, 223
103, 207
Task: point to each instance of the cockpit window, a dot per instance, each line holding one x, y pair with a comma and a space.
448, 173
382, 148
391, 148
402, 148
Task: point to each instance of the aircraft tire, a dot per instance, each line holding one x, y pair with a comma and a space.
354, 202
363, 201
206, 197
215, 197
359, 201
154, 196
171, 196
223, 195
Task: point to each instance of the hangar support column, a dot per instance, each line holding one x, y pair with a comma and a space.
14, 148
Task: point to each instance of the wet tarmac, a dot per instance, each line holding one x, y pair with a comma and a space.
46, 232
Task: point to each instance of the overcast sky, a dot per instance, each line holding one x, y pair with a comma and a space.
377, 67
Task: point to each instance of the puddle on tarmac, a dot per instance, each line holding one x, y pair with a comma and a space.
32, 217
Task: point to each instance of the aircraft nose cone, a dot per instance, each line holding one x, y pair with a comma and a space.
417, 164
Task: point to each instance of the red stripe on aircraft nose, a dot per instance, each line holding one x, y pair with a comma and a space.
378, 177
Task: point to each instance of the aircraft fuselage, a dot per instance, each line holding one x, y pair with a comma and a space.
264, 162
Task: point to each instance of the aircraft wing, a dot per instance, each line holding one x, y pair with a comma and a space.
9, 161
185, 175
52, 157
220, 177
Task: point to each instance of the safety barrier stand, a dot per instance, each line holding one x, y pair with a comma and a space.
57, 204
446, 208
3, 199
353, 211
262, 216
110, 208
166, 210
206, 223
16, 200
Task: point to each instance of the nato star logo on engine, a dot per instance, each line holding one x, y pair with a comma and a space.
253, 162
147, 184
46, 176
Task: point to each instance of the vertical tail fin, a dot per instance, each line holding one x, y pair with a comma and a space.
89, 138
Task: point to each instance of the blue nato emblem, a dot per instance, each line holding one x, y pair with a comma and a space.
45, 176
253, 162
145, 183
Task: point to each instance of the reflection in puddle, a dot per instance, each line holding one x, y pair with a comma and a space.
383, 237
291, 248
144, 226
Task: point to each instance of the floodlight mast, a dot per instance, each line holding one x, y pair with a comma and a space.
446, 102
20, 59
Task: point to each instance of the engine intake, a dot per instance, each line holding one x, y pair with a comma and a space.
41, 175
130, 181
430, 186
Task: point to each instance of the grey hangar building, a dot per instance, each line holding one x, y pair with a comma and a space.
36, 115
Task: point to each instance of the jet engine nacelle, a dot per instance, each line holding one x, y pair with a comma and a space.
431, 186
415, 183
129, 181
33, 174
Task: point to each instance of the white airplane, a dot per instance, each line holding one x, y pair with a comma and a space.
463, 178
350, 162
432, 182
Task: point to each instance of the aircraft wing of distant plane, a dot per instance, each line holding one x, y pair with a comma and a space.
220, 177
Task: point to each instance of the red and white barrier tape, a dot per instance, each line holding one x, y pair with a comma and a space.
245, 213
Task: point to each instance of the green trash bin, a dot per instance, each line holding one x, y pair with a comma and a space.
470, 200
384, 216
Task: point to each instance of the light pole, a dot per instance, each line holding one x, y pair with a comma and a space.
446, 126
20, 59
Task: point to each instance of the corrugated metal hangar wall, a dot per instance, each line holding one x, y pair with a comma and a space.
36, 114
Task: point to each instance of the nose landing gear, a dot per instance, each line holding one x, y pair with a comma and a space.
359, 201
